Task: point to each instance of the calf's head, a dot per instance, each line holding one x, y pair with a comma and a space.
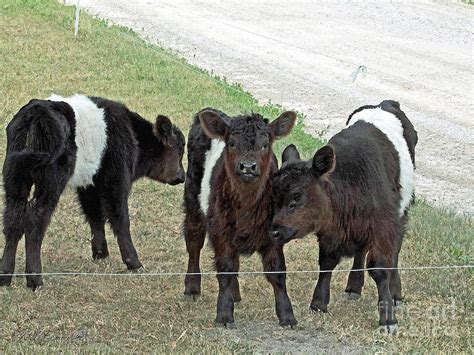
248, 142
300, 197
165, 162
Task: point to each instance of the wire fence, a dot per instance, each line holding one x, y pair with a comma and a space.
214, 273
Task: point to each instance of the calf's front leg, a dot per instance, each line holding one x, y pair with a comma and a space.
226, 260
321, 295
273, 259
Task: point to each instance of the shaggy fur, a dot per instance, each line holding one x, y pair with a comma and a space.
350, 196
239, 203
51, 143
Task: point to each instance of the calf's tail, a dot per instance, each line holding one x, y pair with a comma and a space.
35, 140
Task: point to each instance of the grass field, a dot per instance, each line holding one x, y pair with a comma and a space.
39, 56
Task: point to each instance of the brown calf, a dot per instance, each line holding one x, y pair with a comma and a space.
228, 194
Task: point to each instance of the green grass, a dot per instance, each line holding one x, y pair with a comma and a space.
39, 56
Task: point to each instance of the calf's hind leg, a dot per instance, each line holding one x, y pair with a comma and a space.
235, 287
194, 235
39, 212
92, 207
14, 220
356, 278
395, 281
387, 320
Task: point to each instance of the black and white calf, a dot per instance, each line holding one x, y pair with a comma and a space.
354, 194
96, 146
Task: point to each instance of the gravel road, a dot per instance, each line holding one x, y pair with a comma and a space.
301, 54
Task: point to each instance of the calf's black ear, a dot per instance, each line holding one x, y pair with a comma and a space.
290, 154
163, 128
213, 124
324, 161
283, 125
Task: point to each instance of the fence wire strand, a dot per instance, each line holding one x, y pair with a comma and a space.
214, 273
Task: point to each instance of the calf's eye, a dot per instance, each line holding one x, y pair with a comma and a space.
292, 204
265, 146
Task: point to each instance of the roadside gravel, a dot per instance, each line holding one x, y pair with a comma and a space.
301, 54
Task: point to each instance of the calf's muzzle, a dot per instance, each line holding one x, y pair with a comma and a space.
179, 178
247, 170
281, 234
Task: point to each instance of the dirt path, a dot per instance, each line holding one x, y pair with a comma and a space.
266, 338
301, 55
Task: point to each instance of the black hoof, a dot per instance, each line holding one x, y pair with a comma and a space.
318, 308
100, 255
5, 280
225, 320
227, 325
192, 296
138, 270
100, 249
398, 303
192, 287
290, 322
389, 329
34, 285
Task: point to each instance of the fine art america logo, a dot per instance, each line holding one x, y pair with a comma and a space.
429, 321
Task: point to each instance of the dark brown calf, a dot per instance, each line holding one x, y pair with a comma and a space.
355, 283
354, 194
228, 194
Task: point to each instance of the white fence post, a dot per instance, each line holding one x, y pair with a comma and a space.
76, 23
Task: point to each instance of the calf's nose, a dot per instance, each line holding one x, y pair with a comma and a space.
281, 234
247, 167
179, 179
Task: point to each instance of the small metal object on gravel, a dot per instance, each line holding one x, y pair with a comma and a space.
362, 70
